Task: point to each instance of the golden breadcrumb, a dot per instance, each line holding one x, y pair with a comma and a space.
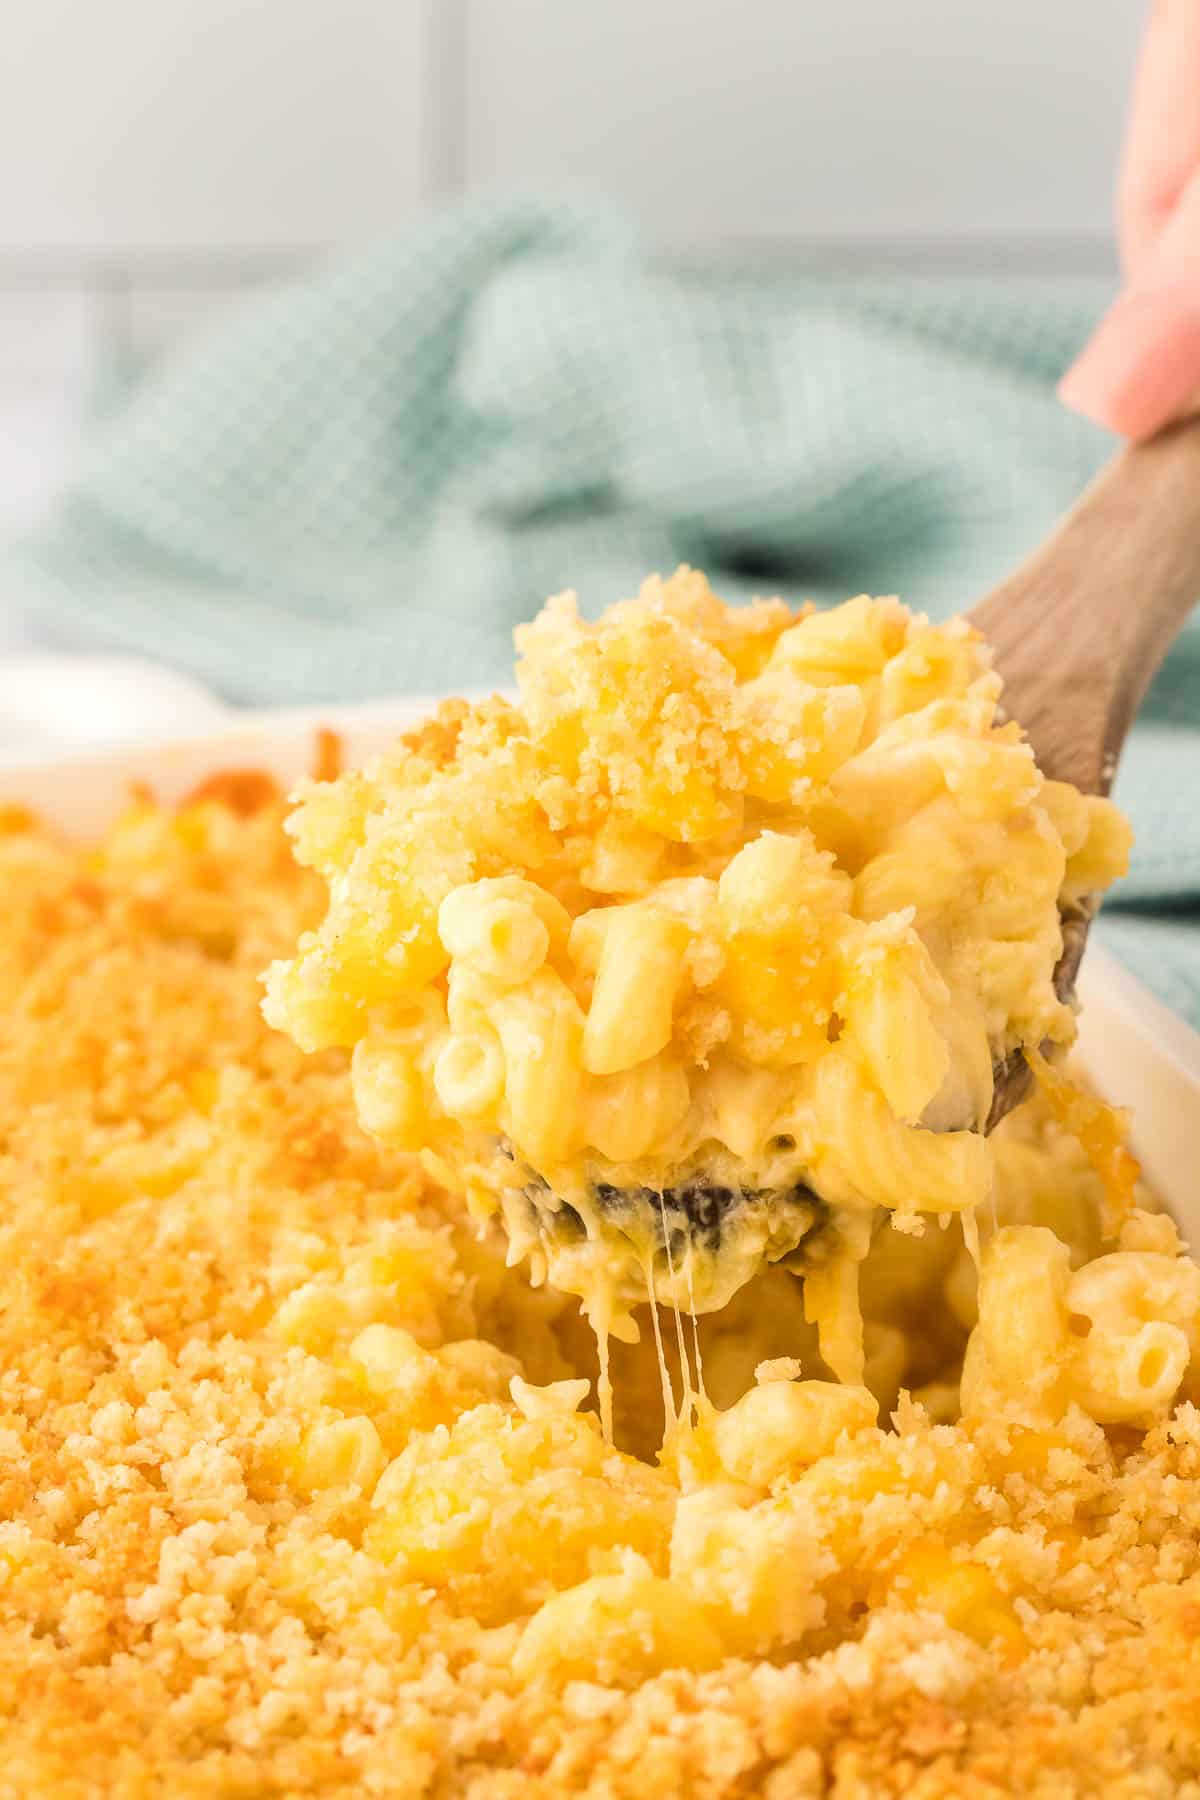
277, 1520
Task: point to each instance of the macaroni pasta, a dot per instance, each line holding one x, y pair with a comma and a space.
707, 947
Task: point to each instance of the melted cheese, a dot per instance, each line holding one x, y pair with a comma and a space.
1101, 1130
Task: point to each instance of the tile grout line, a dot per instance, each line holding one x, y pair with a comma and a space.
446, 98
217, 266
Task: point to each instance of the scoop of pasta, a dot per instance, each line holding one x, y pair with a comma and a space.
713, 938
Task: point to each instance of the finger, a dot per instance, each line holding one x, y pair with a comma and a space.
1142, 364
1141, 367
1174, 256
1162, 140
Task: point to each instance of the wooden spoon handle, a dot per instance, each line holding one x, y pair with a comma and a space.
1080, 628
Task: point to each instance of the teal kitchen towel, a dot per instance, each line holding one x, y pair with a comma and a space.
359, 484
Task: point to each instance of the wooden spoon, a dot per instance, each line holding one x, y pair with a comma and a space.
1081, 627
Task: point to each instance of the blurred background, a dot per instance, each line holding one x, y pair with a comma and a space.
159, 159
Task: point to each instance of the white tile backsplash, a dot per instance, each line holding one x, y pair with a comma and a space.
141, 130
159, 126
943, 121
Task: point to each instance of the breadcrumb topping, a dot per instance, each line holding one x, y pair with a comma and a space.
295, 1498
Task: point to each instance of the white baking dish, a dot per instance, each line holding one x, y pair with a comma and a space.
1137, 1051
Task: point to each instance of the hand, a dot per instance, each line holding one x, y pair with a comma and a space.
1141, 366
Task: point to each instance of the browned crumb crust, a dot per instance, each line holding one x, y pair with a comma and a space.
185, 1612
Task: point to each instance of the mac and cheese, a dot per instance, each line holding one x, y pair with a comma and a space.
707, 949
301, 1492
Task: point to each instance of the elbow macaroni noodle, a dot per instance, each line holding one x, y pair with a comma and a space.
717, 935
1115, 1337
